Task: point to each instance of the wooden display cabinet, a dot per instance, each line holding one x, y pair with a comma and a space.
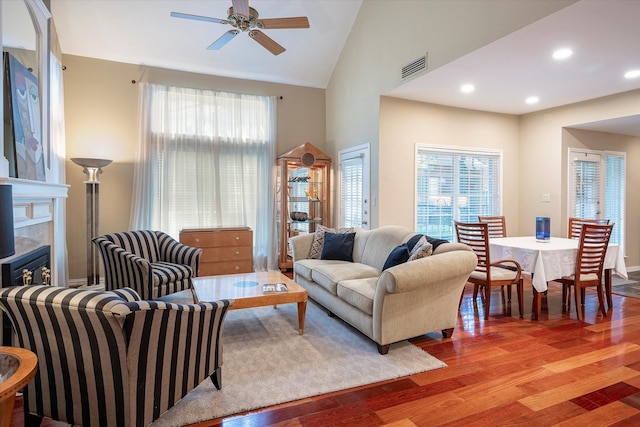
303, 194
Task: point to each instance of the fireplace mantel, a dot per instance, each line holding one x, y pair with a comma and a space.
38, 219
33, 201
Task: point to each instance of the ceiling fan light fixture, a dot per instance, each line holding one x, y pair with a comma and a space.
532, 100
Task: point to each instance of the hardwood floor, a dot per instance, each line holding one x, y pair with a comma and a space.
504, 371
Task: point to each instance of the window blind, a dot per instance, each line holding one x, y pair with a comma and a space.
455, 185
351, 171
586, 186
615, 196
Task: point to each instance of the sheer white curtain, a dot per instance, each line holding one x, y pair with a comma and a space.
206, 159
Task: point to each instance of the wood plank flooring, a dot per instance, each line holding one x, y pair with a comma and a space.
503, 371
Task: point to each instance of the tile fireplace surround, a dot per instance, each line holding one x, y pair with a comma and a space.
38, 221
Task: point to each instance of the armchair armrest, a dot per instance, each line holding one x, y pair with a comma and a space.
124, 269
178, 253
171, 348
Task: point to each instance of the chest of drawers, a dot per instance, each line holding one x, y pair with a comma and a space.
225, 250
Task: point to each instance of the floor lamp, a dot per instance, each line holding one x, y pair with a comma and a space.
92, 168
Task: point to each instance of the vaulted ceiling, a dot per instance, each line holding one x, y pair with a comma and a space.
602, 34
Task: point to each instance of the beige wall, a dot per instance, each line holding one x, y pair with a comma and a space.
544, 144
403, 124
101, 122
375, 52
535, 149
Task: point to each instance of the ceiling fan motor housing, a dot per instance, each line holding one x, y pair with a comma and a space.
241, 22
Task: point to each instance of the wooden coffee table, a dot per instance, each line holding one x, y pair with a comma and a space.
246, 290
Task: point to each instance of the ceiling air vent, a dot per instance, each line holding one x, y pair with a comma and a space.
415, 66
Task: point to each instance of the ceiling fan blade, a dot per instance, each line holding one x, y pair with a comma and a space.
223, 40
266, 42
198, 18
241, 7
282, 23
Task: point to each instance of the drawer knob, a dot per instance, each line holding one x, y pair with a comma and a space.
197, 240
237, 267
237, 237
237, 252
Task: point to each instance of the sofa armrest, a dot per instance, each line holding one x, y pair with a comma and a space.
428, 271
301, 246
449, 247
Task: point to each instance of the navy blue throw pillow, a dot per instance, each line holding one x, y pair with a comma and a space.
399, 255
338, 246
435, 242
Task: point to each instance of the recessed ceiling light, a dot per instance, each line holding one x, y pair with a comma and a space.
467, 88
532, 100
562, 53
632, 74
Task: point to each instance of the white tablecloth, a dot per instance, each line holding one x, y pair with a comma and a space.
550, 260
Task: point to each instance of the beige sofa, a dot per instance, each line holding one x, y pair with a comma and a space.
404, 301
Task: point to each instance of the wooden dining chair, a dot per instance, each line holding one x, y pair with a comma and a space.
489, 274
497, 225
594, 240
575, 225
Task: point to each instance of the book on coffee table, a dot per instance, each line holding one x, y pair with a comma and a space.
269, 288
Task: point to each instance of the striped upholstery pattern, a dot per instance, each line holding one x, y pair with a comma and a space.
106, 361
151, 262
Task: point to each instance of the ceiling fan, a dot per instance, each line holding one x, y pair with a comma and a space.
245, 19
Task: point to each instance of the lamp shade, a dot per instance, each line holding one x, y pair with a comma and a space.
7, 242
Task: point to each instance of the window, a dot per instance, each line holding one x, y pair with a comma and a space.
455, 184
354, 187
206, 159
596, 188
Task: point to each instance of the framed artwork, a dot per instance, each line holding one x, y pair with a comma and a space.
23, 127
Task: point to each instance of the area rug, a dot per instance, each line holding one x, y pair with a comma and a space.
267, 362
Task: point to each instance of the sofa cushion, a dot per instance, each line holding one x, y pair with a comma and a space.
318, 239
399, 255
422, 251
415, 242
435, 242
304, 267
338, 246
166, 272
381, 242
358, 293
143, 243
330, 273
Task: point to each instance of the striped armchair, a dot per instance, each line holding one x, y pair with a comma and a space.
151, 262
109, 358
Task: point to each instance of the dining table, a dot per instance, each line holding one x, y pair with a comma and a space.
552, 259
